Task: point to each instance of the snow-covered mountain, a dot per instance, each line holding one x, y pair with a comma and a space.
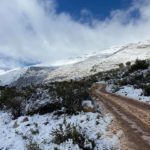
11, 76
103, 60
78, 67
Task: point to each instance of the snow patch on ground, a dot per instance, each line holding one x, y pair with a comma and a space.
131, 92
87, 103
14, 134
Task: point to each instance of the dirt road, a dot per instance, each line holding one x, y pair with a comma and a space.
133, 116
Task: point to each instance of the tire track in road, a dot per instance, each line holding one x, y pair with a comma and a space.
133, 116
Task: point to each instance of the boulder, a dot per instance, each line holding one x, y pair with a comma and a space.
88, 106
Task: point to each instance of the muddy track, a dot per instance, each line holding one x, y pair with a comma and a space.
133, 116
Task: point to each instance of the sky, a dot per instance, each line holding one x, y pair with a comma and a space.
39, 31
99, 9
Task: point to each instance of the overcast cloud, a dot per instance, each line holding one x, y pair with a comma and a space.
31, 31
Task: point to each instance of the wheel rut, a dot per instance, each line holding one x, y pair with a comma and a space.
133, 116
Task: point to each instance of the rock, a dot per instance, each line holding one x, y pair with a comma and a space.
88, 106
25, 119
28, 125
46, 123
15, 125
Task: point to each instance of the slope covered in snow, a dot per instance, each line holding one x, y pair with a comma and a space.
10, 76
74, 68
103, 61
132, 81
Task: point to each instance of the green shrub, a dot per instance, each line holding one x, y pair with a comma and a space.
32, 145
72, 94
139, 64
128, 64
10, 99
70, 131
121, 65
34, 131
123, 82
147, 90
147, 78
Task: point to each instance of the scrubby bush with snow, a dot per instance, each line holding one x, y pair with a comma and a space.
40, 131
133, 82
139, 65
28, 101
46, 98
72, 94
32, 145
68, 131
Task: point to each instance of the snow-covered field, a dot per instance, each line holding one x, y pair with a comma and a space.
17, 134
131, 92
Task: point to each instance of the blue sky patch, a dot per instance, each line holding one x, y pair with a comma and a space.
99, 9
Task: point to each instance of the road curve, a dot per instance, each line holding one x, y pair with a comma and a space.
133, 116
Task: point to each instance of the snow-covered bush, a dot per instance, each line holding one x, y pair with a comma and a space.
88, 106
32, 145
72, 94
28, 101
43, 99
68, 131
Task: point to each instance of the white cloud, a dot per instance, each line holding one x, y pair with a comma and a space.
31, 31
2, 72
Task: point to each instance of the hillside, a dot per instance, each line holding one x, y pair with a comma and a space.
103, 61
80, 67
65, 107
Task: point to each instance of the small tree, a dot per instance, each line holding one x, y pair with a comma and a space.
68, 131
128, 64
72, 94
121, 65
139, 64
12, 100
147, 90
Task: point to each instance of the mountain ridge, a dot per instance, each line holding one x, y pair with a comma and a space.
83, 66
